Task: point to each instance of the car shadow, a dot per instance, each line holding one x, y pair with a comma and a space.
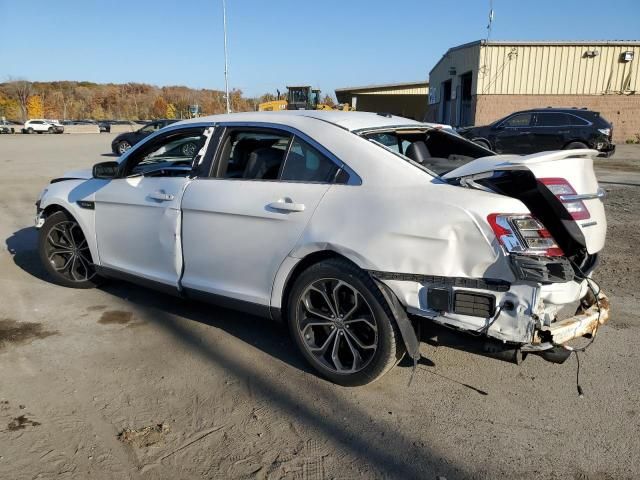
306, 399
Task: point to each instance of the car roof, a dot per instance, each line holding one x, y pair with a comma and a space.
347, 120
558, 109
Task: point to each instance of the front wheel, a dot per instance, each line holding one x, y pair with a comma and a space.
342, 324
29, 130
50, 130
482, 143
123, 146
64, 252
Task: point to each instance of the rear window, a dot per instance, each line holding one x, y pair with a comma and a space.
433, 149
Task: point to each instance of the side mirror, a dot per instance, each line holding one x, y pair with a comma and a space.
105, 170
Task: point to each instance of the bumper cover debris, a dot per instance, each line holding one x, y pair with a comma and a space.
583, 323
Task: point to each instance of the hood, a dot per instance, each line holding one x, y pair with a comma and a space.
81, 174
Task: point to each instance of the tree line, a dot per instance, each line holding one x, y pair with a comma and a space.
22, 100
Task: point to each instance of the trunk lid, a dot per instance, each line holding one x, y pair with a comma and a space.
566, 184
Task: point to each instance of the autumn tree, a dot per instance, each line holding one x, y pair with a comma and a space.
159, 108
20, 90
35, 107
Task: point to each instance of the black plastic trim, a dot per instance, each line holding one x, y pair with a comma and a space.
492, 284
543, 270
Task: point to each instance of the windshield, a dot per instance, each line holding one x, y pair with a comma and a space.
433, 149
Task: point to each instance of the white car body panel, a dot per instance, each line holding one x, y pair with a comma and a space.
396, 219
137, 233
234, 217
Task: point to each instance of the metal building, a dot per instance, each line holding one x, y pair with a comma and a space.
479, 82
405, 99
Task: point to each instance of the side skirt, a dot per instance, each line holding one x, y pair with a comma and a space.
190, 293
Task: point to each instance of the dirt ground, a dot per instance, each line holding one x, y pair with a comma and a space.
125, 383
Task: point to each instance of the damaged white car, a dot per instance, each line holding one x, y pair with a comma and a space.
352, 227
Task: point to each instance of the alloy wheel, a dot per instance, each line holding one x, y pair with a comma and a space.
123, 147
67, 250
337, 326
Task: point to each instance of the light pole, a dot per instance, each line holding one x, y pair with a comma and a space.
226, 62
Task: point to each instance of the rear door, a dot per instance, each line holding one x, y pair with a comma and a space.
551, 131
240, 224
568, 174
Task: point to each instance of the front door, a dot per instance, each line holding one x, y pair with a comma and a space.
240, 225
138, 214
514, 134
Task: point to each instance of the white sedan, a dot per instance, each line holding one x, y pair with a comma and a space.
352, 227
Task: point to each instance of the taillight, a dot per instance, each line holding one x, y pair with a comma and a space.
565, 193
523, 234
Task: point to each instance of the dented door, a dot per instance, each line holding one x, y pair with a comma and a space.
138, 226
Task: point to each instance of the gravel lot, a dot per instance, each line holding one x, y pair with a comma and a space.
122, 382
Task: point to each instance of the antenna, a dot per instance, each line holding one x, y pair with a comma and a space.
226, 59
489, 25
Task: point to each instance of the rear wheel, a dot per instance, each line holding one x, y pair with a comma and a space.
575, 146
64, 252
29, 130
342, 324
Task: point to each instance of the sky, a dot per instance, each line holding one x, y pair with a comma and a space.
328, 44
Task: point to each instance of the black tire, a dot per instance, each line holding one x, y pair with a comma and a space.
122, 147
189, 149
389, 348
72, 266
482, 143
50, 130
575, 146
29, 130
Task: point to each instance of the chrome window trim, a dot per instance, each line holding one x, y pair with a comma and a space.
536, 113
354, 178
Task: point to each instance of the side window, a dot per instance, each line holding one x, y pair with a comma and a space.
389, 140
520, 120
253, 154
170, 155
553, 119
306, 164
575, 120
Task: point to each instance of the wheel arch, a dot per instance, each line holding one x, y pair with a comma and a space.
576, 140
290, 270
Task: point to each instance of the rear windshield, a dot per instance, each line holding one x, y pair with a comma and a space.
437, 150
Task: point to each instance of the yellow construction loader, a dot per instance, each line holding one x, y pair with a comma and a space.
301, 97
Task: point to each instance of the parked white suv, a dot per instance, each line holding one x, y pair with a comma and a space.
352, 227
42, 126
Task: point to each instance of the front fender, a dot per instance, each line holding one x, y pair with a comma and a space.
66, 194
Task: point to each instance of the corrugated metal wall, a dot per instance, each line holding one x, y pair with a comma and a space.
395, 91
463, 60
553, 69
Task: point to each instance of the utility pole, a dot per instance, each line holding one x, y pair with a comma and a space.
226, 61
490, 20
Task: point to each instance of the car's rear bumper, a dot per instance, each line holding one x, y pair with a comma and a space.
584, 323
527, 315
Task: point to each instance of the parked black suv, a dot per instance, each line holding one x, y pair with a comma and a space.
126, 140
541, 129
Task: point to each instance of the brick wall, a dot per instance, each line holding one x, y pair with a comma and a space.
621, 110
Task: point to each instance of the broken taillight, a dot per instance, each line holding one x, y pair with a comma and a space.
564, 192
523, 234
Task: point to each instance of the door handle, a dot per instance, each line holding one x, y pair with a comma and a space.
161, 196
286, 205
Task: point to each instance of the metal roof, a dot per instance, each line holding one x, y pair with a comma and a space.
488, 43
421, 83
